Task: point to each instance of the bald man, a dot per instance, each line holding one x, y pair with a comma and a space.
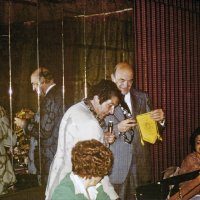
46, 122
132, 160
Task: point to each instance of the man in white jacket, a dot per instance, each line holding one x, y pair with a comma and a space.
84, 121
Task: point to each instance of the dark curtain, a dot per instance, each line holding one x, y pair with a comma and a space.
167, 58
79, 51
94, 47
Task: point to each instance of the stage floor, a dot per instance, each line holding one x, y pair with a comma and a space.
35, 193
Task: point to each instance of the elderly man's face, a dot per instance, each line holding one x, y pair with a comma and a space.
107, 107
123, 78
38, 85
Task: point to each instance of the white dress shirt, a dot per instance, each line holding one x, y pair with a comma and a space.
127, 99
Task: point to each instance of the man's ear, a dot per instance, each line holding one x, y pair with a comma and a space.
113, 78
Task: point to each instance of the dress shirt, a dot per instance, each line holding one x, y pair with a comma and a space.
79, 187
48, 89
127, 99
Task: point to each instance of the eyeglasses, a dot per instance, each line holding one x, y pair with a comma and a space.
122, 81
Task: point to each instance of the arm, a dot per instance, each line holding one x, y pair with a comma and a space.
157, 114
49, 117
189, 164
73, 128
10, 138
61, 163
120, 124
108, 188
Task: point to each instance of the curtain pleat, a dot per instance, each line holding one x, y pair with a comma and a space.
167, 43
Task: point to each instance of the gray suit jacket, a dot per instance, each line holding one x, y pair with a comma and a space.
134, 157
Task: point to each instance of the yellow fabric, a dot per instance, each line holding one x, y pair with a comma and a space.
148, 128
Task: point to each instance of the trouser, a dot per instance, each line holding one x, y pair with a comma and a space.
127, 190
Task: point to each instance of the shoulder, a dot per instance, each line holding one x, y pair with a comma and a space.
190, 156
80, 121
190, 163
138, 93
80, 110
65, 188
55, 91
80, 114
77, 110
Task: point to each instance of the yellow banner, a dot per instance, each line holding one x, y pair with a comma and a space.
148, 128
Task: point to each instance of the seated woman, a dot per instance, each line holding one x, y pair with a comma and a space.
190, 189
91, 161
192, 160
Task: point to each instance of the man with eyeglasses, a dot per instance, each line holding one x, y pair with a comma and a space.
132, 160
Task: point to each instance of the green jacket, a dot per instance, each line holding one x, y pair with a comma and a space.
66, 191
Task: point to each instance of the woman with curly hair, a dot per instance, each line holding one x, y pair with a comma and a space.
91, 161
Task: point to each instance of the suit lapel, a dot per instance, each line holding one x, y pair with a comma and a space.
136, 104
118, 114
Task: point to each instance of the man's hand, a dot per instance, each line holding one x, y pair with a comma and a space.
157, 115
20, 122
109, 137
126, 125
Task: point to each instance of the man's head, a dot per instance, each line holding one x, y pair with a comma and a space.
90, 158
123, 77
104, 97
41, 79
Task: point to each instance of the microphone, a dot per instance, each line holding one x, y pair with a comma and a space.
110, 126
110, 130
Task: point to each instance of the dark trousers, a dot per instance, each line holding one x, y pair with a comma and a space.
127, 190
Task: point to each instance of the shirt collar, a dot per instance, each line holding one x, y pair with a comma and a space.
127, 99
79, 187
49, 88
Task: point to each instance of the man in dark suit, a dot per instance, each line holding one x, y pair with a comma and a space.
132, 160
45, 123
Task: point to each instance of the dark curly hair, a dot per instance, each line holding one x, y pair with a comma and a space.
193, 136
90, 158
105, 90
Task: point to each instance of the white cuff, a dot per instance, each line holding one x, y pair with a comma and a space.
162, 123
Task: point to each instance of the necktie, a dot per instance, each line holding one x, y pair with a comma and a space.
127, 114
125, 109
